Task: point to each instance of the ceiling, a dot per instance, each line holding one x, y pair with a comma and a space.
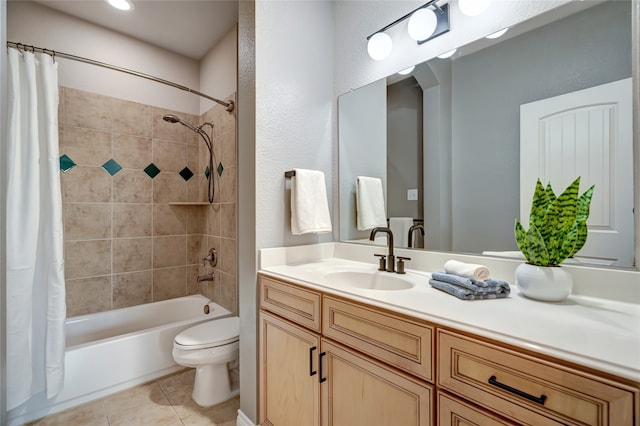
187, 27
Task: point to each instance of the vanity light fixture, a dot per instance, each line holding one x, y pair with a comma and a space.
498, 34
121, 4
424, 24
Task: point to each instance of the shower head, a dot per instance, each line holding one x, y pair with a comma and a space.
170, 118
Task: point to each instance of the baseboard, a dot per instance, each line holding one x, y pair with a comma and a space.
243, 420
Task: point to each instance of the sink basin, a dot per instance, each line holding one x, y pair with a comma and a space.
369, 280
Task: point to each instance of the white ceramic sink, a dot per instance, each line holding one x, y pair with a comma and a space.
377, 280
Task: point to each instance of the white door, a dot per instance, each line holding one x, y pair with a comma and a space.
587, 133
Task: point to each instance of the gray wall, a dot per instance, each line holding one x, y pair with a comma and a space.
488, 88
404, 148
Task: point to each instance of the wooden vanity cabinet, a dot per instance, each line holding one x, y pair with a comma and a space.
309, 379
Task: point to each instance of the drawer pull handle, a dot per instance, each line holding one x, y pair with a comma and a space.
322, 379
540, 400
312, 372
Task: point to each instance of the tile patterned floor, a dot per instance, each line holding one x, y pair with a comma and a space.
164, 402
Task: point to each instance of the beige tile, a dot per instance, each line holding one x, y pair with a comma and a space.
131, 186
149, 407
228, 149
226, 292
169, 251
132, 118
228, 220
132, 220
227, 261
169, 156
228, 184
87, 258
213, 219
87, 147
194, 249
169, 283
90, 414
193, 158
132, 152
169, 187
90, 110
88, 295
84, 221
196, 219
225, 413
131, 254
193, 189
168, 131
193, 286
169, 220
178, 381
132, 289
86, 184
62, 118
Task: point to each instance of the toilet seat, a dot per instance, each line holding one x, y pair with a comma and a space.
209, 334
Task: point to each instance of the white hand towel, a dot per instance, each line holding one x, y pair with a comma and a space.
309, 206
468, 270
400, 228
370, 203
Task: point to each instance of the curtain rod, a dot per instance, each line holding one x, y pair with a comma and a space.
20, 46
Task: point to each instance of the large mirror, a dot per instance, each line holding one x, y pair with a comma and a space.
459, 142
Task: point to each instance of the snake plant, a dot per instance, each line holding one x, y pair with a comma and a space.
557, 225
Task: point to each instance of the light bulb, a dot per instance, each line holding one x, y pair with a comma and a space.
379, 46
422, 24
498, 34
473, 7
448, 54
407, 70
121, 4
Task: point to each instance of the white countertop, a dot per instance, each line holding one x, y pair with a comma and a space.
593, 332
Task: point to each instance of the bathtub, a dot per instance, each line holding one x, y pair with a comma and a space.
114, 350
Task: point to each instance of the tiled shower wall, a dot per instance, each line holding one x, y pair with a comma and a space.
125, 243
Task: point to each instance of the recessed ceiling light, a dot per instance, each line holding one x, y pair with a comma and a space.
498, 34
407, 70
447, 54
121, 4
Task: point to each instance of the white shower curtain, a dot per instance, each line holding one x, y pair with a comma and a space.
35, 267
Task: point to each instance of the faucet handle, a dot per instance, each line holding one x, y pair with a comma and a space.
382, 263
400, 268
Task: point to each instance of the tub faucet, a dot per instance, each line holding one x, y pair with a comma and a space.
206, 277
413, 228
390, 260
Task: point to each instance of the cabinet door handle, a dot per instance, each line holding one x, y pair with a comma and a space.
493, 381
322, 379
312, 372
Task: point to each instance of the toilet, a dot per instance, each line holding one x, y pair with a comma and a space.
211, 348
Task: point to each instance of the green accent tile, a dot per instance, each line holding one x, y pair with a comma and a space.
66, 163
186, 173
152, 170
112, 167
220, 169
207, 172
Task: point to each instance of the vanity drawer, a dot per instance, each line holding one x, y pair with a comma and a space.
294, 303
404, 343
527, 389
456, 412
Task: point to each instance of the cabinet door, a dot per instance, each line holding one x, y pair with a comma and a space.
289, 388
456, 412
361, 392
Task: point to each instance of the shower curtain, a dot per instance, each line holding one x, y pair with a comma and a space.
35, 266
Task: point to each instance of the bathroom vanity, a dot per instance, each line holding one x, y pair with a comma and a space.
337, 349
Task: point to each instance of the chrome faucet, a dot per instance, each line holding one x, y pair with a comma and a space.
391, 260
413, 228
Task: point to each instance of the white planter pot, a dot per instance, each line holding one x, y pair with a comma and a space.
548, 283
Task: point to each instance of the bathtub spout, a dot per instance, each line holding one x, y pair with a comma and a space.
206, 277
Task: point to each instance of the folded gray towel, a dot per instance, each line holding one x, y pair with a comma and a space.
467, 294
476, 286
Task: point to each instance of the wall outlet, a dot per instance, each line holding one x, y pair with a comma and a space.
412, 194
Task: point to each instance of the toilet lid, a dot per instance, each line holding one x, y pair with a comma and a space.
209, 334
